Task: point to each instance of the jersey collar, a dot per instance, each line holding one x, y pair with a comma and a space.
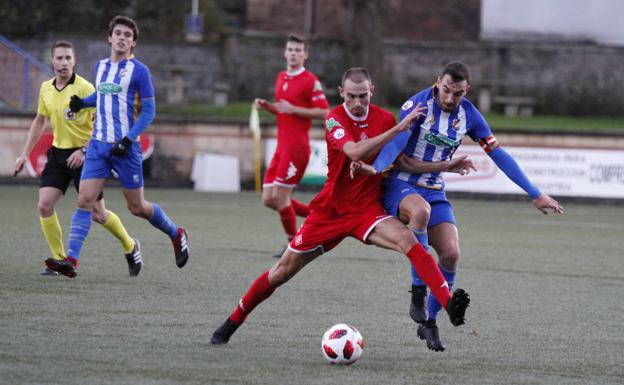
71, 81
356, 118
295, 72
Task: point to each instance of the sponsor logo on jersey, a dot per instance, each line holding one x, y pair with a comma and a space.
339, 133
439, 140
331, 123
109, 88
407, 105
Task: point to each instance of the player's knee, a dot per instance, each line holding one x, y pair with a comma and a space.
407, 240
136, 209
45, 209
85, 202
268, 202
449, 257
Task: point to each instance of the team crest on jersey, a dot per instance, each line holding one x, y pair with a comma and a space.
109, 88
69, 114
317, 86
123, 73
284, 86
456, 124
407, 105
363, 136
298, 240
339, 133
331, 123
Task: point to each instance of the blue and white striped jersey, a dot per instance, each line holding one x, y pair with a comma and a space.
436, 136
120, 88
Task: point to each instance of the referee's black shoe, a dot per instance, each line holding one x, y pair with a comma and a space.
134, 259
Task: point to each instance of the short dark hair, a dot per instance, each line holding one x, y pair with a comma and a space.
296, 38
124, 20
61, 44
356, 75
458, 71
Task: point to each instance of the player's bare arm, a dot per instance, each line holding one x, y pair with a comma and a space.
262, 104
284, 107
545, 202
35, 131
367, 148
460, 165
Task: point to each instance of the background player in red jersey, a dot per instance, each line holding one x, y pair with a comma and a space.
350, 206
299, 98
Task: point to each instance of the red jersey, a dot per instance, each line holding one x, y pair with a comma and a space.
301, 89
341, 194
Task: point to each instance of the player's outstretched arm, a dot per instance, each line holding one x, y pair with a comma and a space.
262, 104
35, 131
284, 107
545, 202
365, 149
460, 165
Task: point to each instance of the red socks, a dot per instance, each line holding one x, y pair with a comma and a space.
260, 290
429, 271
301, 209
289, 221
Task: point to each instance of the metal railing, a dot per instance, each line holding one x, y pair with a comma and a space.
21, 75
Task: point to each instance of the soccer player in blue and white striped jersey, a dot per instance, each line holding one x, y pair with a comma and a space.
124, 107
418, 198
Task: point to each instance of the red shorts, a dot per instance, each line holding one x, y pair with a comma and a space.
287, 167
325, 231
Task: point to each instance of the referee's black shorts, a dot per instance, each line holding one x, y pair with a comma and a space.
57, 173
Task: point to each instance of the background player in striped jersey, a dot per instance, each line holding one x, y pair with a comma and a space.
349, 206
299, 98
71, 133
418, 198
123, 87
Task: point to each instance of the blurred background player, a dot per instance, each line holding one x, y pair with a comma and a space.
299, 98
71, 133
123, 87
349, 205
418, 198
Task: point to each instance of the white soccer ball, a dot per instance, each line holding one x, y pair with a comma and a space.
342, 344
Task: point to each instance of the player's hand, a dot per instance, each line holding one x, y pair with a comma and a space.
260, 103
283, 107
461, 165
76, 104
121, 147
19, 164
76, 159
545, 202
413, 116
360, 167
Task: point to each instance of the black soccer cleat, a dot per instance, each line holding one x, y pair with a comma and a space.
66, 266
429, 332
280, 253
418, 310
134, 259
222, 335
456, 307
49, 272
180, 247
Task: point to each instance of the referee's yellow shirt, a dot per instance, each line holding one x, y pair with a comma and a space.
70, 130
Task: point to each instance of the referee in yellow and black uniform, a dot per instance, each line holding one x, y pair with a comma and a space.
71, 133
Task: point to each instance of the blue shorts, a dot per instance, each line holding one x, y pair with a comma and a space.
394, 190
98, 164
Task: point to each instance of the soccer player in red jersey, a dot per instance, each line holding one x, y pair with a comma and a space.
349, 205
299, 98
